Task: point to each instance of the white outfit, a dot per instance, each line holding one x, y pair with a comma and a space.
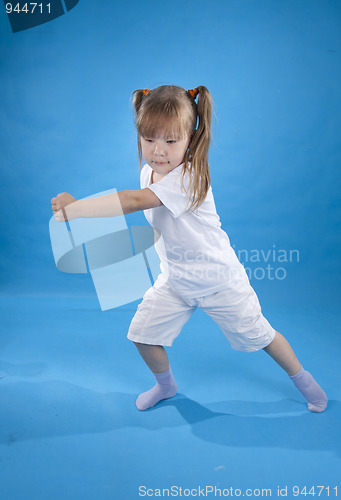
199, 268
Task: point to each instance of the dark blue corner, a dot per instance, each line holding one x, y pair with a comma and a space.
25, 15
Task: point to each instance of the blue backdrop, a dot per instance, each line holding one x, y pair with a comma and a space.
273, 69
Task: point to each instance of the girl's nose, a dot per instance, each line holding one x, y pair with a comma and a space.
159, 149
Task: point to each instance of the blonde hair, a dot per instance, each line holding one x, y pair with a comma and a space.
173, 110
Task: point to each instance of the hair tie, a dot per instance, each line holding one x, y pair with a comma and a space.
146, 91
193, 92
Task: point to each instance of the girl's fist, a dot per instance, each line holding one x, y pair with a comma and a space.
58, 205
61, 201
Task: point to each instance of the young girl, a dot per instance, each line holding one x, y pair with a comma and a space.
199, 268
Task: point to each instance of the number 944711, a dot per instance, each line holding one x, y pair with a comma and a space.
28, 8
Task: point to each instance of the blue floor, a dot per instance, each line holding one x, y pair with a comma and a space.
69, 428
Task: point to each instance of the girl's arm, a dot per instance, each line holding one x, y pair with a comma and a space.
66, 207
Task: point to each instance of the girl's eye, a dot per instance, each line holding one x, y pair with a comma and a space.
171, 142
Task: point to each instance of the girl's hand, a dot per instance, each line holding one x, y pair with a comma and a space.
61, 216
58, 205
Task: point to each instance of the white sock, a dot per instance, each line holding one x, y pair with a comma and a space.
165, 388
306, 384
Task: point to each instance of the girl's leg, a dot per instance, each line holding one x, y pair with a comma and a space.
156, 359
154, 356
281, 352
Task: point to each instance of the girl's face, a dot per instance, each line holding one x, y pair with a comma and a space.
164, 152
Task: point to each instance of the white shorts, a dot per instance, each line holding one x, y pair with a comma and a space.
236, 310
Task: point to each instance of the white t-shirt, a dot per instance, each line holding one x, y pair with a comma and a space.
196, 256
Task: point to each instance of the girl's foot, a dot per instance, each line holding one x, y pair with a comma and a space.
316, 397
165, 388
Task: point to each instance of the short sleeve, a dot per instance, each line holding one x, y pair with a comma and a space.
145, 175
172, 193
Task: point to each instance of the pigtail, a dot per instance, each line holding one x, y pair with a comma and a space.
197, 153
137, 97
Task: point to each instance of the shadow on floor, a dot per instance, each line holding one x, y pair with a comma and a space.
280, 424
57, 408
